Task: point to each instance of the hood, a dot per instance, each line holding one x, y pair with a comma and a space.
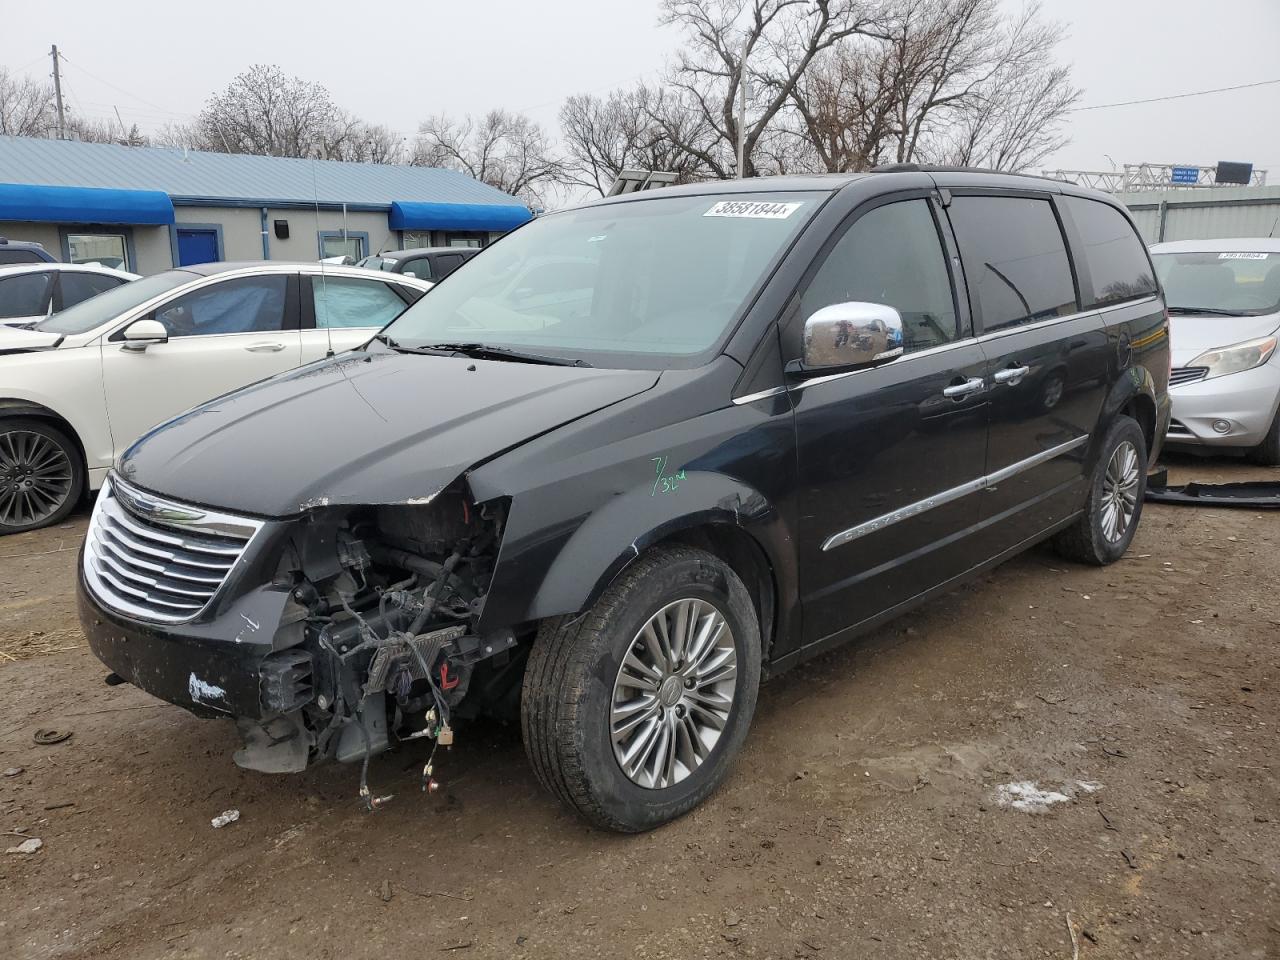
19, 340
363, 428
1191, 336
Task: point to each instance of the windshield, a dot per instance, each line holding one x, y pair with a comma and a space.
1237, 283
634, 284
95, 311
376, 263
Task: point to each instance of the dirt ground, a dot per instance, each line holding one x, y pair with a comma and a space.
862, 821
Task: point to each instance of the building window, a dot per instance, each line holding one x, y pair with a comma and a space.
411, 241
342, 243
108, 249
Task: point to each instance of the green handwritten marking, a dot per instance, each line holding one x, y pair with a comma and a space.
667, 484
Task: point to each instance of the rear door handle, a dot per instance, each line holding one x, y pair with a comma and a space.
1011, 375
266, 347
958, 390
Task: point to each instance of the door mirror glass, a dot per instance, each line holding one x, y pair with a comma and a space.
853, 334
142, 333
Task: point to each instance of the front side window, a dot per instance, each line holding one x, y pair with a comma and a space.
75, 287
344, 302
107, 249
892, 255
634, 282
1015, 260
1237, 283
243, 305
112, 304
1118, 266
24, 295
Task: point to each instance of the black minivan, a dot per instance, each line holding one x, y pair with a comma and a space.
751, 421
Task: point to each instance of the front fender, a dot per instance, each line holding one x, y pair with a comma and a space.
581, 510
615, 535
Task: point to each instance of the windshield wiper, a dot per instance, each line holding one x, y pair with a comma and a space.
1212, 311
483, 351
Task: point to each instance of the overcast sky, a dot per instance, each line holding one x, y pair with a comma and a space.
398, 63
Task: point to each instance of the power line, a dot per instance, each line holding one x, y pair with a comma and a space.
1176, 96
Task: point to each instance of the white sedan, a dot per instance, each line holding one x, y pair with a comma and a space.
29, 292
79, 387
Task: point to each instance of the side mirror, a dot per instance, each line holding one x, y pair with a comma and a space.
142, 333
850, 335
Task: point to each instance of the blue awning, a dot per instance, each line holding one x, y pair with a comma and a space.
49, 204
495, 217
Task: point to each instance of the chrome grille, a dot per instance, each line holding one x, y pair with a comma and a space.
156, 559
1180, 375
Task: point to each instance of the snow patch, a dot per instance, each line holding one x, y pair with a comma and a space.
1026, 796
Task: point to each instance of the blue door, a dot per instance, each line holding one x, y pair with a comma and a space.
197, 246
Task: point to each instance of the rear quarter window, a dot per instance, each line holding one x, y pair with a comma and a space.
1112, 251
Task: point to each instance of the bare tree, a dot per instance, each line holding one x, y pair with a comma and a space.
26, 106
264, 111
505, 150
1014, 118
779, 40
105, 131
602, 137
945, 81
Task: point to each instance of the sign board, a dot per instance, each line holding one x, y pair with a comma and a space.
1185, 175
1240, 173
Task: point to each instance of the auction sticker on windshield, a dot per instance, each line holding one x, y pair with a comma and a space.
1242, 256
756, 209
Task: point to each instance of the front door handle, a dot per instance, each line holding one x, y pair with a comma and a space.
267, 347
958, 390
1011, 375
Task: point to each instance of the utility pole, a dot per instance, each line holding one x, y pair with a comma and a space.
742, 108
57, 92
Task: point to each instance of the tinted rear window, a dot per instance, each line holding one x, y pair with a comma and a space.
24, 295
1015, 260
1116, 258
19, 256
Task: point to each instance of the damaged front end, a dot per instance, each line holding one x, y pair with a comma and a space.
333, 635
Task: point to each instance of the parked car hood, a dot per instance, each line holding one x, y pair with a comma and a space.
15, 339
363, 428
1191, 336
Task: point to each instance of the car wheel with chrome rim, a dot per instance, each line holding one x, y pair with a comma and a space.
41, 474
632, 712
1113, 507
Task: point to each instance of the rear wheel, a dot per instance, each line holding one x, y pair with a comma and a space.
633, 712
41, 474
1104, 531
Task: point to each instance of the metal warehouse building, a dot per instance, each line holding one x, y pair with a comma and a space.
146, 209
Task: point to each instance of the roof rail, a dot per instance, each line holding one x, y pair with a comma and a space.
896, 168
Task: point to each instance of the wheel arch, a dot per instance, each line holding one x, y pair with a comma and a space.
1132, 395
14, 407
711, 511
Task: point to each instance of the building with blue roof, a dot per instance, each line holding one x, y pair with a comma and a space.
147, 209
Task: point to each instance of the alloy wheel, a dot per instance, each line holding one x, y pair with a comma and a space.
1120, 491
35, 477
673, 693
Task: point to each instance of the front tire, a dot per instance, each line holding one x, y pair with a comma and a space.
1267, 453
1104, 531
42, 477
633, 712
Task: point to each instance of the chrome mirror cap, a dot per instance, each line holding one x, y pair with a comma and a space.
853, 334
